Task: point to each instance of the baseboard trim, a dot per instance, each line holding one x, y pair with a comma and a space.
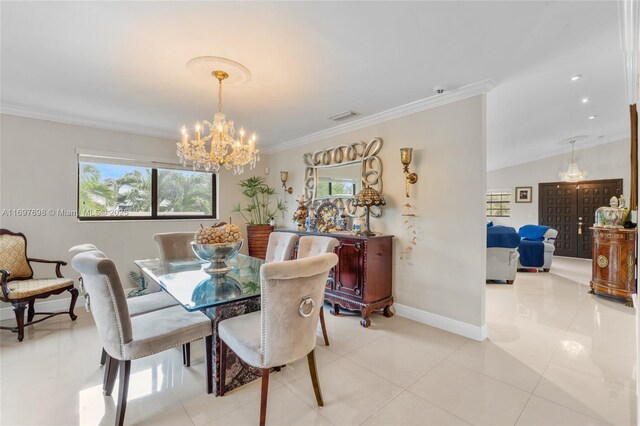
448, 324
43, 306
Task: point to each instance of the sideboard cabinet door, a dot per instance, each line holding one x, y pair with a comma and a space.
349, 270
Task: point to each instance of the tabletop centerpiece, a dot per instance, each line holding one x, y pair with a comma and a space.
217, 244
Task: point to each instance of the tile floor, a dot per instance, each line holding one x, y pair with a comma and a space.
555, 356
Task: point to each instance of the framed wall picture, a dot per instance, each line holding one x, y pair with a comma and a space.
524, 194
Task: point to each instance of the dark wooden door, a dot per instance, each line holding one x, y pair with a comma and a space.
591, 196
557, 209
570, 208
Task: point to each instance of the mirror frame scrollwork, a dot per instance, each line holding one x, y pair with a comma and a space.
358, 152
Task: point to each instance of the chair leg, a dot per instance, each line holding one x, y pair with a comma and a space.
208, 360
123, 389
32, 311
110, 372
263, 396
324, 328
313, 371
223, 366
72, 305
103, 357
18, 309
186, 354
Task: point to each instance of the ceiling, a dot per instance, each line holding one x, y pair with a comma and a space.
123, 65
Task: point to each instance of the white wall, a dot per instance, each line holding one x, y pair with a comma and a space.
606, 161
38, 169
444, 281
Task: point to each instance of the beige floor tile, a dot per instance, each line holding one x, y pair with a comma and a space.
522, 371
351, 393
540, 412
395, 361
283, 408
601, 354
409, 409
301, 367
609, 401
471, 396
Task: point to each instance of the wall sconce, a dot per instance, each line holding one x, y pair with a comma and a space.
410, 178
284, 176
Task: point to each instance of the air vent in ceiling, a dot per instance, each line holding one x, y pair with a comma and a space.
343, 115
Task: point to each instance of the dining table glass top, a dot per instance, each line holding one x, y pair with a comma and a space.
187, 282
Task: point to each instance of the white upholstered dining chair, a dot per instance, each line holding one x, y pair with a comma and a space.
315, 245
175, 245
280, 246
128, 338
139, 305
284, 330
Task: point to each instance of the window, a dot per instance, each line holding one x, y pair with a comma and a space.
117, 191
336, 188
499, 204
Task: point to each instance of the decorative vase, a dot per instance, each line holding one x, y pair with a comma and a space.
258, 239
613, 216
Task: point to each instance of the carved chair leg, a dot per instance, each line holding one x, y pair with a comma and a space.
31, 312
223, 366
324, 328
208, 360
74, 297
103, 357
18, 309
313, 371
123, 389
186, 354
263, 396
111, 371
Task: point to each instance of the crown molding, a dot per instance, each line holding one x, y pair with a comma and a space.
464, 92
76, 120
400, 111
629, 11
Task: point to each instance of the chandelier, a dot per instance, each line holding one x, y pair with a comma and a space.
216, 144
573, 173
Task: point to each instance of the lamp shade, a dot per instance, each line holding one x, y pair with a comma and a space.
369, 197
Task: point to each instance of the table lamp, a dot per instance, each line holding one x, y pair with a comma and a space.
366, 198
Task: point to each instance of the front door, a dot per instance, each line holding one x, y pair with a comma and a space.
570, 208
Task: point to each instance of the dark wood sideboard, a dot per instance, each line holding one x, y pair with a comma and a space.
614, 262
362, 279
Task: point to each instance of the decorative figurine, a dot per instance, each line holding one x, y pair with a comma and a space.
613, 216
342, 223
301, 214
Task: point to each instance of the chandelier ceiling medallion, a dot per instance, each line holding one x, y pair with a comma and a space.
573, 173
216, 144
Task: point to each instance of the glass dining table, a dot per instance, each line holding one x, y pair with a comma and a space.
236, 293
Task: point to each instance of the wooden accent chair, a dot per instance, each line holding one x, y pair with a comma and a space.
313, 245
20, 288
284, 330
280, 246
126, 338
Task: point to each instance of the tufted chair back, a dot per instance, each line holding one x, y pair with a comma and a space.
311, 245
280, 246
175, 245
292, 296
108, 300
13, 255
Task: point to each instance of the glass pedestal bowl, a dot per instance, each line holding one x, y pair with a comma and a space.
217, 255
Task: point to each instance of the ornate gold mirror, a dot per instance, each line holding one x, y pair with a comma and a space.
337, 174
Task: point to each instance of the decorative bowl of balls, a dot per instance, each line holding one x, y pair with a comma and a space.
217, 244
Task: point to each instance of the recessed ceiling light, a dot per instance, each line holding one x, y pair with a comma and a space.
585, 100
592, 117
576, 77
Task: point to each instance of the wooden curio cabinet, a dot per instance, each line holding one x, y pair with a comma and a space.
361, 281
614, 262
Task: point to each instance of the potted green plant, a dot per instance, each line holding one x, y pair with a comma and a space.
258, 212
